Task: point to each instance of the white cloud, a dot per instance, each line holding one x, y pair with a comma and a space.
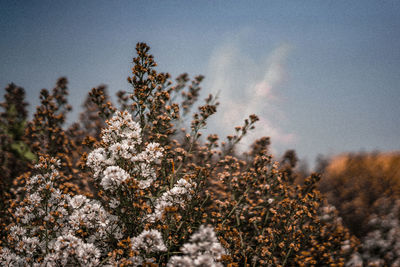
246, 87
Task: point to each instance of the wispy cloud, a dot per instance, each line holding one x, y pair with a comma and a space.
246, 86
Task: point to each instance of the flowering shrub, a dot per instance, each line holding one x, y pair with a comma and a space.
53, 228
44, 224
148, 192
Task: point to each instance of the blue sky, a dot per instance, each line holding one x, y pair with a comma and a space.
324, 76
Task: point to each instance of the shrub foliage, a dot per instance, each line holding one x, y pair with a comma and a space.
137, 185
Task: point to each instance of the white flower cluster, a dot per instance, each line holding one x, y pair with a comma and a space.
149, 241
91, 215
41, 193
178, 195
48, 221
69, 250
8, 258
381, 246
43, 204
121, 127
203, 250
123, 143
113, 177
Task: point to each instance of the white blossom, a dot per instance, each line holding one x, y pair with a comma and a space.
77, 201
114, 203
149, 241
121, 126
69, 249
203, 249
180, 261
8, 258
122, 142
97, 159
113, 177
177, 196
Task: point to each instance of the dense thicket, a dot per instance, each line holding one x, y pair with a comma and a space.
134, 184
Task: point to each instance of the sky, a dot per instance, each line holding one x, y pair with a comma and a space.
323, 76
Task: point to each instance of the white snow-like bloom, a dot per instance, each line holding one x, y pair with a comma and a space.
77, 201
355, 261
114, 203
35, 198
180, 261
177, 196
29, 245
147, 175
8, 258
204, 240
136, 261
206, 260
203, 249
346, 246
122, 142
97, 159
145, 160
149, 241
65, 214
43, 201
17, 232
113, 177
381, 246
143, 184
121, 150
91, 215
69, 249
121, 126
153, 152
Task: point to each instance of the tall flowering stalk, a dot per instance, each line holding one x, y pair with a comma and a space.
123, 168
